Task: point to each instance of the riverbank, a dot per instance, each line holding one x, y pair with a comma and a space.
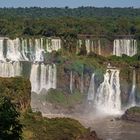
107, 127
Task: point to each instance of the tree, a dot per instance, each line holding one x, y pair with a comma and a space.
10, 127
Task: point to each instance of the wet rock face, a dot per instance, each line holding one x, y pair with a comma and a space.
138, 76
79, 83
127, 82
100, 46
132, 114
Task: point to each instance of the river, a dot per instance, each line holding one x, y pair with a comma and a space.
109, 128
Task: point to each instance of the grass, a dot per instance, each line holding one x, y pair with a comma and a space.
134, 110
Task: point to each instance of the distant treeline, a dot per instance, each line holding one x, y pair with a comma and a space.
68, 23
86, 12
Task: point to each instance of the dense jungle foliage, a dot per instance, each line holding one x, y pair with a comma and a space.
36, 12
65, 22
16, 124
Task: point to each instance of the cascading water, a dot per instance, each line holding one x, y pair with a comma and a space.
10, 69
34, 78
82, 83
41, 76
24, 49
91, 91
91, 46
18, 50
39, 50
13, 50
1, 50
71, 82
40, 79
107, 98
43, 46
27, 58
56, 44
125, 46
28, 49
99, 47
87, 43
52, 76
79, 45
132, 97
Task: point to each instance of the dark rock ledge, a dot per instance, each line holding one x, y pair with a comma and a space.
132, 114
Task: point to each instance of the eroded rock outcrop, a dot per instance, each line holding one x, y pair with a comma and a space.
90, 136
132, 114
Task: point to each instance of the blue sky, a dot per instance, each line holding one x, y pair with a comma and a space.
70, 3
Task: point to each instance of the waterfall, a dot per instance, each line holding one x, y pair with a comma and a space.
39, 50
132, 98
1, 50
71, 82
48, 46
24, 49
87, 43
13, 50
43, 77
27, 49
34, 78
10, 69
91, 91
56, 44
82, 83
125, 46
108, 94
91, 46
52, 76
99, 47
79, 45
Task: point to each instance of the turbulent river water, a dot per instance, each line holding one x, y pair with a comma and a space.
108, 128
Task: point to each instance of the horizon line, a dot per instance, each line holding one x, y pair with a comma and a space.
67, 7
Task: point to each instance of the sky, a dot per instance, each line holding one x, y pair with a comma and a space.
70, 3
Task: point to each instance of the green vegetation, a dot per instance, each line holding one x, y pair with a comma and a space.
80, 64
68, 23
33, 125
18, 90
10, 127
125, 60
39, 128
59, 98
133, 110
132, 114
36, 12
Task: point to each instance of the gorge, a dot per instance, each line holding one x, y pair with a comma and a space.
102, 87
30, 60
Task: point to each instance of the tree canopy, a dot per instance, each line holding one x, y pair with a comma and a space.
67, 22
10, 127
